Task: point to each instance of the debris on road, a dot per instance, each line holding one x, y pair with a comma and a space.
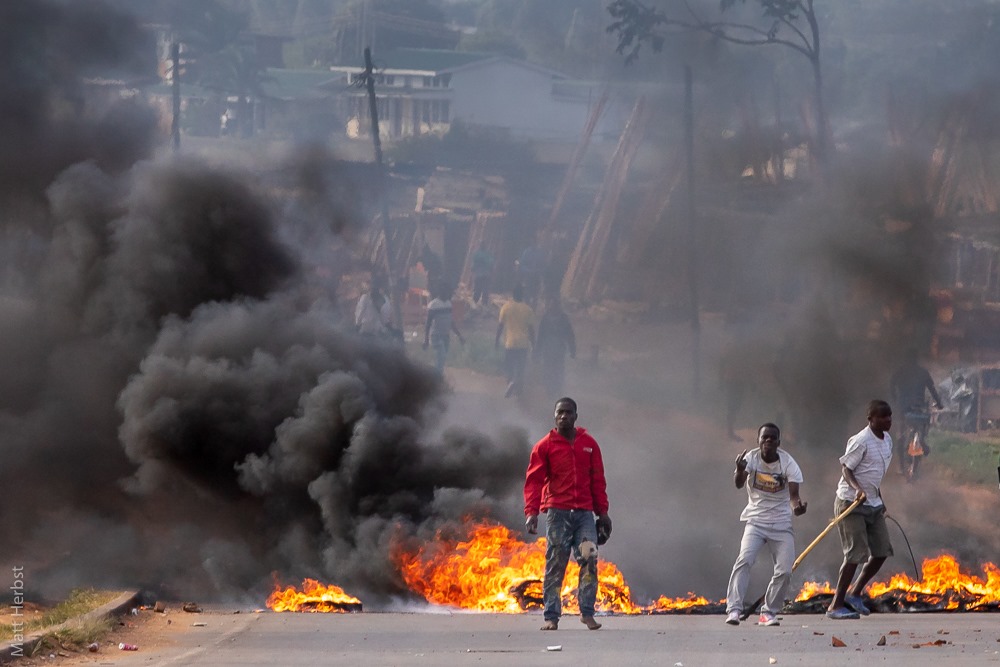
838, 642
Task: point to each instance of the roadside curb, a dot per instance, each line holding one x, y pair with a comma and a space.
117, 607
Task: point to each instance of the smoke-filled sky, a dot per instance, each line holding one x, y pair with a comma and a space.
179, 411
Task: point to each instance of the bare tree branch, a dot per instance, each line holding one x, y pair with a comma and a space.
637, 23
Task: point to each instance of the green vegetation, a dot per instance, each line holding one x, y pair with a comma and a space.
75, 636
79, 602
477, 354
966, 459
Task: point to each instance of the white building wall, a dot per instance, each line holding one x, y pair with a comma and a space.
520, 99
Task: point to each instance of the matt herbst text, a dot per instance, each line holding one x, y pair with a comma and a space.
17, 611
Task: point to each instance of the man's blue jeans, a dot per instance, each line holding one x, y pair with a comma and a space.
570, 531
440, 345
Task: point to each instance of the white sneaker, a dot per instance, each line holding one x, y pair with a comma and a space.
768, 619
733, 618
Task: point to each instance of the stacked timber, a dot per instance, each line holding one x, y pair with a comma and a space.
584, 277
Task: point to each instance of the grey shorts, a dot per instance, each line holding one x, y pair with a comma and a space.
863, 532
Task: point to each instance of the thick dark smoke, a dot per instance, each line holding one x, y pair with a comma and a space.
178, 408
47, 118
183, 407
813, 286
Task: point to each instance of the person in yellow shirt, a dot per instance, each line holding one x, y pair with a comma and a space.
517, 324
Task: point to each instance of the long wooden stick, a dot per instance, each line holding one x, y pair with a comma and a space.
805, 552
837, 519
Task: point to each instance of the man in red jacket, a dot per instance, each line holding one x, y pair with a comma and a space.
565, 480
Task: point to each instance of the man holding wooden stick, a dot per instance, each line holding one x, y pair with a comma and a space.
864, 535
772, 479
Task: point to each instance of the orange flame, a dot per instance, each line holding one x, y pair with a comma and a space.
313, 597
663, 603
496, 572
942, 577
811, 588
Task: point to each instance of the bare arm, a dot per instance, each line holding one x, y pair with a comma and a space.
852, 481
798, 507
933, 391
740, 474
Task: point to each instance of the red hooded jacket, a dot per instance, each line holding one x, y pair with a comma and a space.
565, 475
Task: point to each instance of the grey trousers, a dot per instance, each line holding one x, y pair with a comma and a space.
781, 544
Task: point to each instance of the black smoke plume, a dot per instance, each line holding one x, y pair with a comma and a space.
178, 410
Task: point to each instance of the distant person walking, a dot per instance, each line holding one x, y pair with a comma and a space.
373, 313
909, 386
555, 339
439, 325
518, 330
482, 274
864, 536
565, 479
433, 265
771, 477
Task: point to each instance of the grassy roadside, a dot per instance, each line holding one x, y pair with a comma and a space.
77, 634
964, 458
478, 353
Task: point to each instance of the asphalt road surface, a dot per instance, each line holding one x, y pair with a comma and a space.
221, 637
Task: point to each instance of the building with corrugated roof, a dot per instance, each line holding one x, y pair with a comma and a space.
425, 90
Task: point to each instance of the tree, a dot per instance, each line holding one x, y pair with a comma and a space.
384, 25
790, 23
235, 71
492, 41
219, 53
561, 34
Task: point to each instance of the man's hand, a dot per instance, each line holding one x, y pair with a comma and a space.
531, 524
860, 495
603, 528
799, 508
741, 461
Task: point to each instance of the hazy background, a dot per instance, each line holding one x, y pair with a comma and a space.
183, 408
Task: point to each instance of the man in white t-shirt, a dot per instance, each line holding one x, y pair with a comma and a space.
440, 323
373, 314
772, 479
864, 535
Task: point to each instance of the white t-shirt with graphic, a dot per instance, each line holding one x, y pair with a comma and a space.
439, 311
767, 489
868, 456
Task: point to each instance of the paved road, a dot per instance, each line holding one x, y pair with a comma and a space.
484, 639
